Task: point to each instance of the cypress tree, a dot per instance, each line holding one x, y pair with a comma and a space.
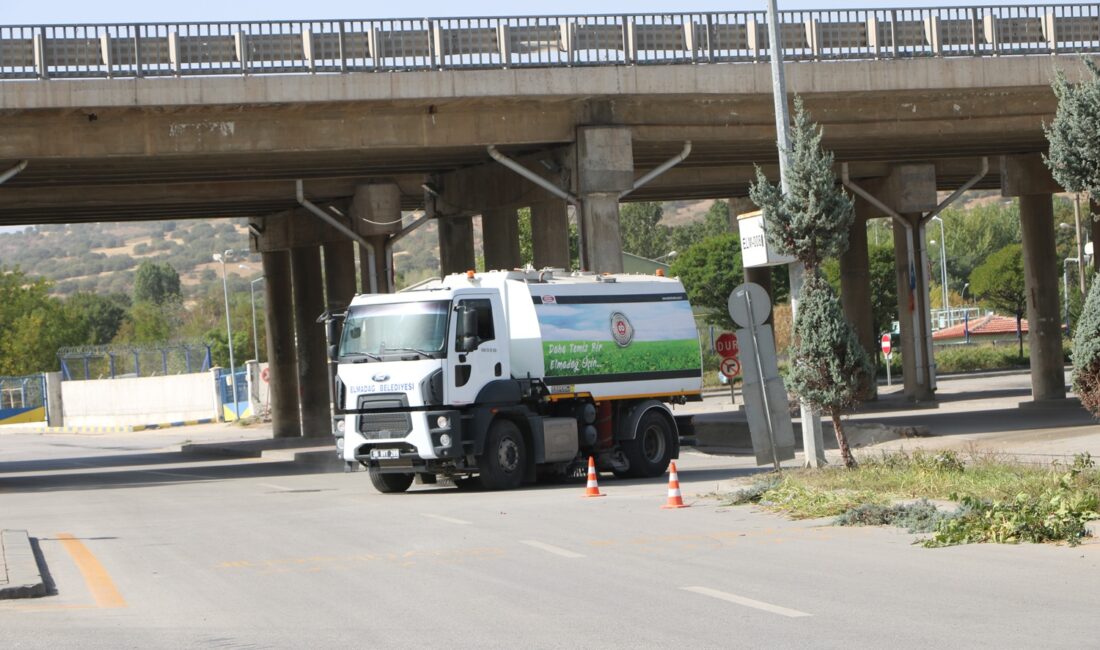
811, 222
1086, 353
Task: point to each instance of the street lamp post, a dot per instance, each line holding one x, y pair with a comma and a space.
255, 337
223, 258
943, 268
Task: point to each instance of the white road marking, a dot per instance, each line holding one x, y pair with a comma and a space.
450, 520
556, 550
747, 602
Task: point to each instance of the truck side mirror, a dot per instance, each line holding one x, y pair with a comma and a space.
466, 331
333, 351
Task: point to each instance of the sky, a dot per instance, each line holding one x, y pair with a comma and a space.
69, 11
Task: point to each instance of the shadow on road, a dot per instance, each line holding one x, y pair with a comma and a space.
62, 479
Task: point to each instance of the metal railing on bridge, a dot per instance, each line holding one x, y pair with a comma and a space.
335, 46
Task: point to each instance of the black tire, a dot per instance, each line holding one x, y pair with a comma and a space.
650, 451
390, 483
504, 462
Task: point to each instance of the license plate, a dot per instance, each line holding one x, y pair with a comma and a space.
385, 454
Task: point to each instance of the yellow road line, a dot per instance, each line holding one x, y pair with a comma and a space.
99, 582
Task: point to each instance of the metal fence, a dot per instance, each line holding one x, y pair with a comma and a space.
111, 361
335, 46
20, 393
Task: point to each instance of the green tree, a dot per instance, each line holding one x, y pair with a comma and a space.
829, 369
156, 283
710, 271
102, 316
33, 325
641, 230
1000, 283
1074, 158
1086, 353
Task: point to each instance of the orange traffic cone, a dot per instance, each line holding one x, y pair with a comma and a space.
593, 489
675, 500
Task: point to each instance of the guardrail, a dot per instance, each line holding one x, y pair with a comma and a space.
337, 46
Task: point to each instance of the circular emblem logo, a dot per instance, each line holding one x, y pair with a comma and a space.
621, 329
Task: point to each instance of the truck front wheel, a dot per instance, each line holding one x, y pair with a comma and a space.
504, 461
650, 451
390, 483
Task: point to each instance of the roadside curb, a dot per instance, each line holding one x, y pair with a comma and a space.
20, 576
128, 428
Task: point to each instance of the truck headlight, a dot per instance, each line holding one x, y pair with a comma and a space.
443, 422
445, 440
340, 426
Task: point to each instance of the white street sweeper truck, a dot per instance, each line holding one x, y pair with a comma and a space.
505, 376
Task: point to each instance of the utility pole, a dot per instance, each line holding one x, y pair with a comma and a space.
813, 445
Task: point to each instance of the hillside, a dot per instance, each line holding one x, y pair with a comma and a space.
102, 257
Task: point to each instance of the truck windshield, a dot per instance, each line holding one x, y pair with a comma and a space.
374, 331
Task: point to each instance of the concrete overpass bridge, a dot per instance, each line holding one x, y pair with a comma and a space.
119, 122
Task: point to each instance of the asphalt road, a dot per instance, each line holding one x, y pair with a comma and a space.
146, 548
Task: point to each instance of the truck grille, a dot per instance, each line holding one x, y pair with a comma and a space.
384, 424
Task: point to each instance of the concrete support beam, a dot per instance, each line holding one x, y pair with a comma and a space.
604, 168
500, 235
855, 281
550, 234
376, 213
281, 358
313, 381
913, 313
456, 245
1026, 174
910, 190
855, 290
339, 274
1041, 271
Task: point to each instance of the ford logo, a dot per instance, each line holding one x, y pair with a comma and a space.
380, 377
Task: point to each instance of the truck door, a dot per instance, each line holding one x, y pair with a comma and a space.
483, 357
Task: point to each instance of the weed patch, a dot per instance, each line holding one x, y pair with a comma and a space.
1001, 502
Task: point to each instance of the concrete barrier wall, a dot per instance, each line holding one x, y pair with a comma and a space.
140, 400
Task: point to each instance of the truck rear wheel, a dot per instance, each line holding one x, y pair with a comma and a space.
650, 451
390, 483
504, 461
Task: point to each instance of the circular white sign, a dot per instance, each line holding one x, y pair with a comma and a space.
749, 305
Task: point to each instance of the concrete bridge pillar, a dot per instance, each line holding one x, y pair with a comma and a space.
309, 302
1029, 179
376, 211
605, 167
456, 244
550, 234
910, 190
339, 260
855, 282
500, 238
282, 362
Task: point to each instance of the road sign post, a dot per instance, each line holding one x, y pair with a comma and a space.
887, 348
762, 386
